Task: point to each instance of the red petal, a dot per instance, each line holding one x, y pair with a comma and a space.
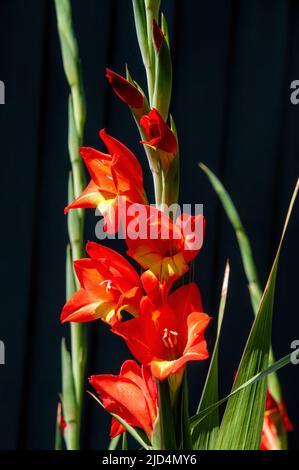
116, 147
80, 308
125, 90
124, 398
157, 35
90, 198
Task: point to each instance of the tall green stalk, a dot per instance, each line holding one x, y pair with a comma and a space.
73, 380
158, 70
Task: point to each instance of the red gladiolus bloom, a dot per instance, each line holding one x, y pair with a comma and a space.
125, 90
275, 416
159, 135
168, 336
109, 285
160, 245
115, 176
132, 396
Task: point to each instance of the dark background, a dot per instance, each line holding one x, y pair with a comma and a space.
233, 65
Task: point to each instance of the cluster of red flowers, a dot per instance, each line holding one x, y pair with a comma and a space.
167, 324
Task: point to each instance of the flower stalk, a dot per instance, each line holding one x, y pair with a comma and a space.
77, 112
155, 51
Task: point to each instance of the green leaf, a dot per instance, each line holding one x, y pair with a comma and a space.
204, 435
196, 419
164, 28
166, 418
71, 60
70, 277
243, 241
74, 144
172, 176
241, 426
68, 41
186, 443
69, 402
114, 442
124, 445
247, 260
139, 436
58, 433
141, 29
163, 80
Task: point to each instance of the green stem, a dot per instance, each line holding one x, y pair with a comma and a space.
77, 114
158, 187
166, 417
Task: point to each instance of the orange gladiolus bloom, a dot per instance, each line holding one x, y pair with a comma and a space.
109, 284
114, 176
131, 395
161, 246
166, 337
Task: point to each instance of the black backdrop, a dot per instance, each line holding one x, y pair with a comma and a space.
233, 64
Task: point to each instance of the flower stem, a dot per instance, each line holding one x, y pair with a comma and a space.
77, 113
166, 417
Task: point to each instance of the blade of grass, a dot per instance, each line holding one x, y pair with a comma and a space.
205, 433
196, 419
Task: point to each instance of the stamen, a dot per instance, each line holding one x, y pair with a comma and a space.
170, 338
109, 285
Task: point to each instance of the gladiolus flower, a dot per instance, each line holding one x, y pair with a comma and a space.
275, 416
116, 177
159, 135
109, 284
131, 395
125, 90
168, 336
160, 245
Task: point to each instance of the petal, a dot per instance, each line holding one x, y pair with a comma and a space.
197, 323
161, 369
90, 198
193, 229
141, 338
115, 147
157, 35
99, 167
116, 428
127, 182
165, 140
123, 273
186, 299
124, 398
80, 308
89, 276
126, 91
